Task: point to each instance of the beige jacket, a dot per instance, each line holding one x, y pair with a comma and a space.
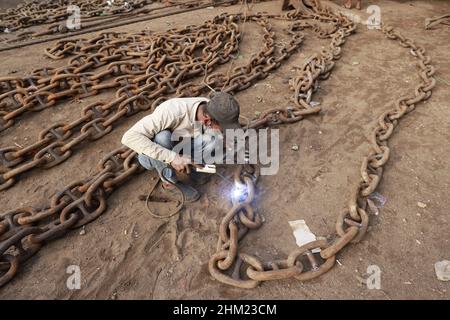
176, 115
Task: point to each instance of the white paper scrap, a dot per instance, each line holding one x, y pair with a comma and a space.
442, 269
302, 233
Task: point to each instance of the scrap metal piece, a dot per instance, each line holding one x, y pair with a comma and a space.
431, 22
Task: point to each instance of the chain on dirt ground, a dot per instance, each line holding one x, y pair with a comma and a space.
146, 69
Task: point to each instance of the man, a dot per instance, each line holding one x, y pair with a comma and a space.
156, 137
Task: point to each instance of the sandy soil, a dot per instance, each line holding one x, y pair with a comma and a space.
128, 254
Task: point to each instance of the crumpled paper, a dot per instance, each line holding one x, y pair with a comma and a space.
442, 269
302, 233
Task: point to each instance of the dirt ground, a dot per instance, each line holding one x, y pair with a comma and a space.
127, 254
6, 4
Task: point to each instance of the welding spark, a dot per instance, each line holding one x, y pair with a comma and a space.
239, 192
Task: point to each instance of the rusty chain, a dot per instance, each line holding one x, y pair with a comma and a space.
143, 69
98, 15
75, 205
38, 12
22, 231
232, 267
227, 263
165, 62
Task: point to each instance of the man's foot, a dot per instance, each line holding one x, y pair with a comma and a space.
358, 5
200, 178
190, 193
348, 4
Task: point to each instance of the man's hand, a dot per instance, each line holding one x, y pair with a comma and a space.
181, 163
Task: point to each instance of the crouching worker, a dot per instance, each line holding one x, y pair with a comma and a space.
199, 121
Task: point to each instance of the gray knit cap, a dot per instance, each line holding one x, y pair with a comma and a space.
224, 108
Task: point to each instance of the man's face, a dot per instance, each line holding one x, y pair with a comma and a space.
216, 126
211, 123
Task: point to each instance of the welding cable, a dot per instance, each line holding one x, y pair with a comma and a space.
180, 204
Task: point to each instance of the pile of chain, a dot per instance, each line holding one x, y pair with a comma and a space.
144, 69
24, 231
94, 15
37, 12
165, 62
139, 67
230, 266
